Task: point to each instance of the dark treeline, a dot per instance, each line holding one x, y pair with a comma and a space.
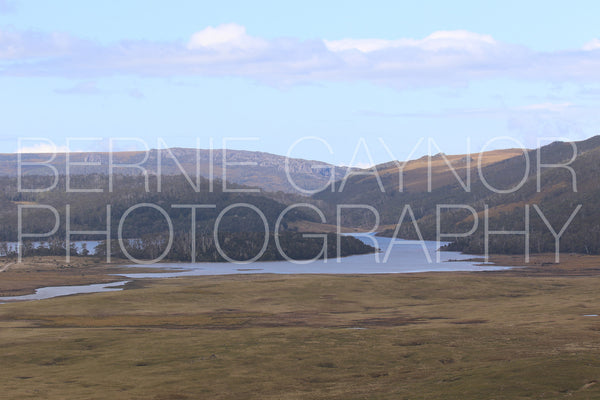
238, 246
89, 212
146, 230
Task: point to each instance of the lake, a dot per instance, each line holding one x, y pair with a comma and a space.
405, 256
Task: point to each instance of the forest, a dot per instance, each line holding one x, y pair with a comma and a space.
176, 222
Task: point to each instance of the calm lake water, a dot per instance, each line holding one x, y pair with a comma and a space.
405, 256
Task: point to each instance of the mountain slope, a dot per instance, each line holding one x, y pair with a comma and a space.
553, 204
408, 184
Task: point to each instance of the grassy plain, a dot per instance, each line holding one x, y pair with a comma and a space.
519, 334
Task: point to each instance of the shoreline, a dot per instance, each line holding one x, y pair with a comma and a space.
39, 272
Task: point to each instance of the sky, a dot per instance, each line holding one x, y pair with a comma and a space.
346, 82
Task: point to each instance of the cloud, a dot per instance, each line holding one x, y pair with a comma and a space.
443, 58
592, 45
437, 41
360, 165
226, 37
36, 47
7, 6
43, 148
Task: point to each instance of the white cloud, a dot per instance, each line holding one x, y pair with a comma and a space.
225, 37
364, 45
456, 39
592, 45
360, 165
437, 41
443, 58
43, 148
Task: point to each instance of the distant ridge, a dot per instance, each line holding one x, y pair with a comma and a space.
250, 168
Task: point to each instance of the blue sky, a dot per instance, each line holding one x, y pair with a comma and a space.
390, 72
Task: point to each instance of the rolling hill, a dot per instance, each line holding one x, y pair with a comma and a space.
508, 183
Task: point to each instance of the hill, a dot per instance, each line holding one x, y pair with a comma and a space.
506, 184
423, 183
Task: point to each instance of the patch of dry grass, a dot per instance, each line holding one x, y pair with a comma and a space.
425, 336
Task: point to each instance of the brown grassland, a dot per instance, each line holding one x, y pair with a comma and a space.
519, 334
